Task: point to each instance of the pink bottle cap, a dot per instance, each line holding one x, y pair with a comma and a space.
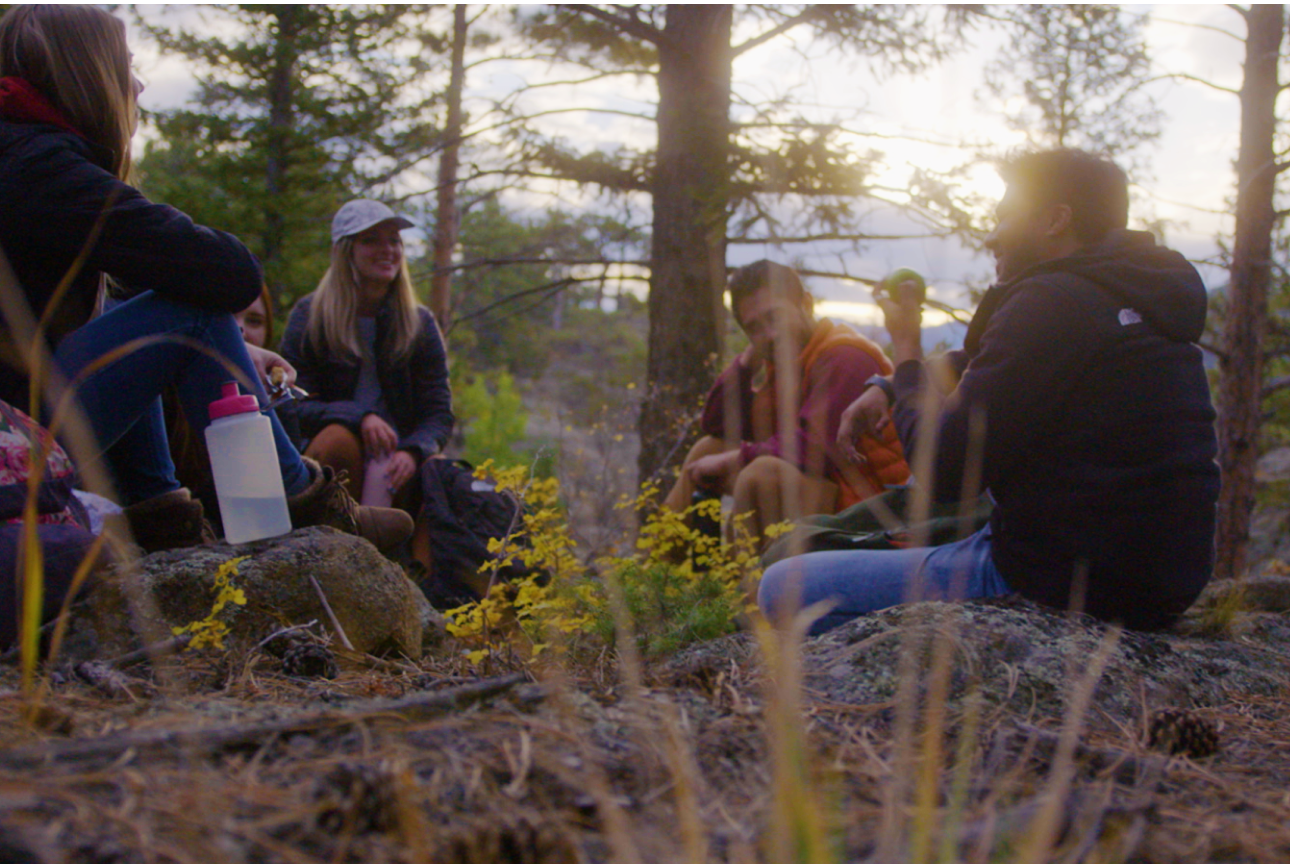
232, 403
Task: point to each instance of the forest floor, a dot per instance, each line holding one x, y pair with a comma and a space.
224, 757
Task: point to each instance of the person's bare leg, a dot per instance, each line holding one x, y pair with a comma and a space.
340, 448
770, 490
679, 498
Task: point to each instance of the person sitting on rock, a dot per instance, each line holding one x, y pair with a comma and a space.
1083, 407
374, 362
794, 367
70, 220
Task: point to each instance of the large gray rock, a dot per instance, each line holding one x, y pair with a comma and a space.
1029, 658
378, 607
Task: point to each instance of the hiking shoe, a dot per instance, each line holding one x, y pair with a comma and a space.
326, 501
173, 520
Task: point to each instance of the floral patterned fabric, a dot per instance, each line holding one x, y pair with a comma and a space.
20, 437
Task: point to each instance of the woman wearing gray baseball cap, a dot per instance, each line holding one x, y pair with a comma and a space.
375, 362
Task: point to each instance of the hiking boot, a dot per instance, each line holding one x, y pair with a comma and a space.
173, 520
326, 501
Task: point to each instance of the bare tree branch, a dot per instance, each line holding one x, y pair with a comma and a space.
807, 15
1228, 33
1157, 197
835, 235
574, 82
1183, 76
508, 261
520, 119
550, 287
962, 316
631, 25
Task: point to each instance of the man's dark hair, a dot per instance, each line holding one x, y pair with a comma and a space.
761, 274
1095, 188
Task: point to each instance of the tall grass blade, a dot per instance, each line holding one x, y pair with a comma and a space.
798, 833
927, 790
1043, 830
33, 589
79, 578
913, 638
961, 779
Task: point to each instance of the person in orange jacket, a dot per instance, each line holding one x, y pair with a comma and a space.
770, 422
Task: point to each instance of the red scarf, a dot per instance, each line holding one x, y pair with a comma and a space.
22, 103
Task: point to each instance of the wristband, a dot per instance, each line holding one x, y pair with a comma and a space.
883, 384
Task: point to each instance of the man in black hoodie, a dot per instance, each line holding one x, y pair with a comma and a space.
1083, 404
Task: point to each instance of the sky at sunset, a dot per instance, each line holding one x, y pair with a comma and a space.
925, 120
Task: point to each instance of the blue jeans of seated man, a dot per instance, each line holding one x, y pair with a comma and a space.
860, 581
122, 401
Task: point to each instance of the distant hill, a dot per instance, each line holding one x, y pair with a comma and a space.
943, 337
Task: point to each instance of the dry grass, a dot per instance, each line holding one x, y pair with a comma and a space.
719, 756
713, 761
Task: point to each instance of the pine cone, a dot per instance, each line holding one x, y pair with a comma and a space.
309, 660
1179, 732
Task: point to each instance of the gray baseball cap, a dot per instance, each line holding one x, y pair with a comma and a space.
361, 214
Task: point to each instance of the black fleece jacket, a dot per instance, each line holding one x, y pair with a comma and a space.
416, 389
52, 195
1099, 442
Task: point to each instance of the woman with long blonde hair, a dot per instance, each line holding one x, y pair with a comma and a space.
374, 360
68, 112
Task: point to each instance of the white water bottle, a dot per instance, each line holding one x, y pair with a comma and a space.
244, 460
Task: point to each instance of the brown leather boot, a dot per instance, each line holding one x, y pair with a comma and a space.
326, 501
174, 520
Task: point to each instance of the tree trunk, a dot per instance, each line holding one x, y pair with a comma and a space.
282, 121
446, 217
691, 199
1241, 369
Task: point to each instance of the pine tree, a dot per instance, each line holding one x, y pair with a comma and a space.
299, 108
1074, 76
1241, 366
706, 171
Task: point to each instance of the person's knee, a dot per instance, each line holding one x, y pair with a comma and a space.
336, 443
773, 592
708, 445
762, 473
343, 436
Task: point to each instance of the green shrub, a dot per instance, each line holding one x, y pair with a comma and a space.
492, 416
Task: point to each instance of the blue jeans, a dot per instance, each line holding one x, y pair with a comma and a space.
122, 400
860, 581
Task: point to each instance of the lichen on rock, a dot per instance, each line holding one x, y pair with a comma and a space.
377, 606
1030, 658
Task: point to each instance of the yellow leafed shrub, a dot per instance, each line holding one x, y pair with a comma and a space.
680, 586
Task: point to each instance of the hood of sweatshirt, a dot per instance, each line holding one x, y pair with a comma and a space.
1158, 283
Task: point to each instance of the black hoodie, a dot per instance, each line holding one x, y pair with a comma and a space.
53, 199
1099, 443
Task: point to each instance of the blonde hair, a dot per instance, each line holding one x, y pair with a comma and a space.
77, 58
333, 317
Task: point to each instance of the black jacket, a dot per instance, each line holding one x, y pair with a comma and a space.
1099, 439
416, 389
52, 194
